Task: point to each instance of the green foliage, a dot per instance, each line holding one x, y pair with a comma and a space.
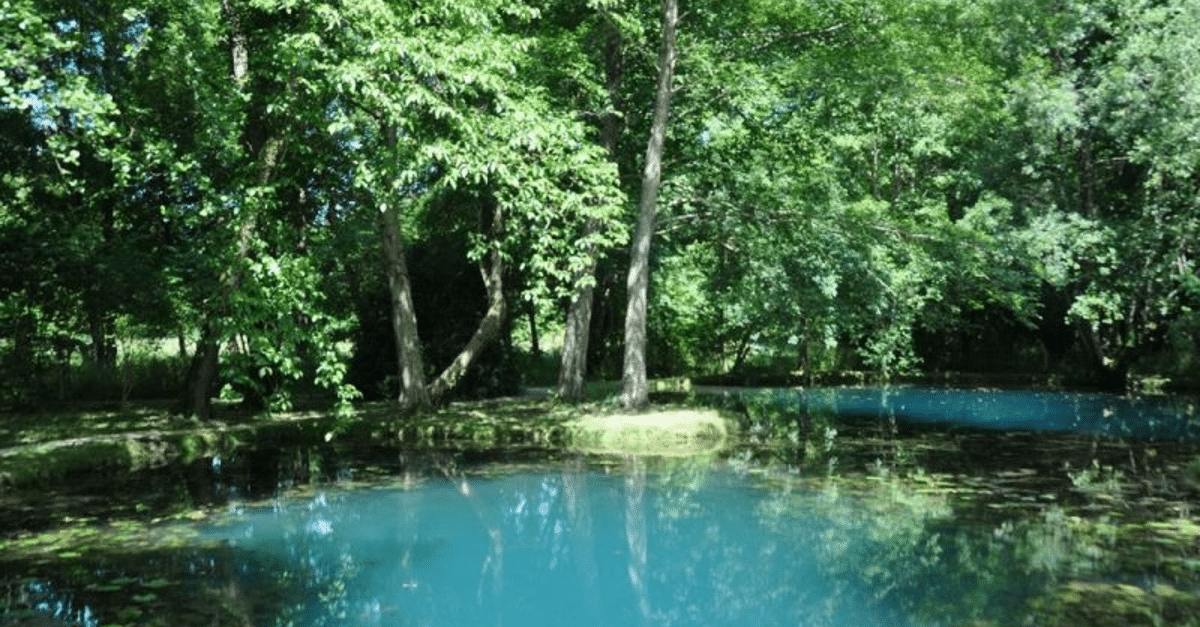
228, 200
864, 184
889, 177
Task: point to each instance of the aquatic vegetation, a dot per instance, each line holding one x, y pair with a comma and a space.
902, 524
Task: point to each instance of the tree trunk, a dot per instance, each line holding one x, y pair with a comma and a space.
635, 388
98, 300
572, 372
411, 364
182, 340
268, 150
489, 326
103, 350
202, 375
535, 347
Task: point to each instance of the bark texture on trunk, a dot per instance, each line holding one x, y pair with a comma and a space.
572, 372
635, 388
492, 321
411, 364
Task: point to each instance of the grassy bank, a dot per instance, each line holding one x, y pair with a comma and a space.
48, 447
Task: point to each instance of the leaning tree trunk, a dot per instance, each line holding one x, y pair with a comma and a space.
572, 373
415, 395
490, 325
635, 388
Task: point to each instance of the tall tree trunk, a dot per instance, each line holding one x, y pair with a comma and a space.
489, 327
572, 372
98, 301
535, 347
103, 350
411, 364
268, 150
635, 389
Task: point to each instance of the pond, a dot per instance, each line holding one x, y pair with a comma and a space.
1143, 418
831, 511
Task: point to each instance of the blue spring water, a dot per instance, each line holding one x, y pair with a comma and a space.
581, 548
1144, 418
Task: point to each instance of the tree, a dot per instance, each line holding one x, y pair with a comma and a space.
819, 210
456, 116
172, 121
635, 388
89, 169
1099, 170
264, 148
572, 376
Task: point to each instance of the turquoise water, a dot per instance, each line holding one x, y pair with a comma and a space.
705, 547
981, 509
1146, 418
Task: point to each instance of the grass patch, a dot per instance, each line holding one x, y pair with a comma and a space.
670, 432
43, 448
25, 428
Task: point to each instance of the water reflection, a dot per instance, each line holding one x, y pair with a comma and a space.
635, 533
855, 522
692, 545
689, 542
1148, 418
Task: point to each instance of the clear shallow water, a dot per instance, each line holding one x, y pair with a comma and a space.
705, 547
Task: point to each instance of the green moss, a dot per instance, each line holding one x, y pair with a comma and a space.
1192, 473
1100, 604
678, 432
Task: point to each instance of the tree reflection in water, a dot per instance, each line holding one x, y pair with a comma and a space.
635, 532
687, 544
639, 541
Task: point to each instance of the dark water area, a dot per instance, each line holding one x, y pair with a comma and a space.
907, 508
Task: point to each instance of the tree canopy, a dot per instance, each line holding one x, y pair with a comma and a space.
875, 185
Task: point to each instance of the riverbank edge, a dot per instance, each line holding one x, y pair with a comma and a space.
524, 422
1148, 384
533, 421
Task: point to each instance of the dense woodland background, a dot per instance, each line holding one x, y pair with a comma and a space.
414, 199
